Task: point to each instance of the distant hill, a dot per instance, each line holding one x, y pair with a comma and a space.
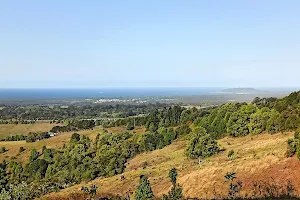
241, 91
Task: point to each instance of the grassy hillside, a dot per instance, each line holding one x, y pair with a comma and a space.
23, 129
256, 158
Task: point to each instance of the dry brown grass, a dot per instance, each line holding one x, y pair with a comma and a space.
23, 129
254, 154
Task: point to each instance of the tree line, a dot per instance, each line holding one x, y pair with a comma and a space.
30, 113
74, 125
234, 119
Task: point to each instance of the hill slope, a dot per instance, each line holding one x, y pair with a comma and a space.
257, 157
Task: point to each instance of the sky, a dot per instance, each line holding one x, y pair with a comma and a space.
149, 43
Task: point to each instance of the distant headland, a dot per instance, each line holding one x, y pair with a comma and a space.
241, 91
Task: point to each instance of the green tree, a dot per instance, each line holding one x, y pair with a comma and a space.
3, 177
44, 148
201, 144
75, 138
33, 155
173, 175
176, 191
48, 154
185, 116
273, 123
153, 127
183, 130
264, 119
237, 124
144, 191
22, 191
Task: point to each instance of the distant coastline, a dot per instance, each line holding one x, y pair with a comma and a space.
169, 95
103, 92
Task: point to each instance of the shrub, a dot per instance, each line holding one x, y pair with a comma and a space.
92, 191
230, 155
75, 138
21, 149
235, 187
292, 147
144, 165
3, 150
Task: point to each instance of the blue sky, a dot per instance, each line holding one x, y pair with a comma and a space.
217, 43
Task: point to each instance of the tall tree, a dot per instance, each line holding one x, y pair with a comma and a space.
144, 191
201, 144
33, 155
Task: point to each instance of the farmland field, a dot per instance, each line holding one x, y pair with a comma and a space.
23, 129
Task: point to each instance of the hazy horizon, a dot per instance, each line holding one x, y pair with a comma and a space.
151, 87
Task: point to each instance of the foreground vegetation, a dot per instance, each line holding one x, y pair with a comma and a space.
255, 158
83, 159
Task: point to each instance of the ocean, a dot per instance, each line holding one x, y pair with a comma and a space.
104, 92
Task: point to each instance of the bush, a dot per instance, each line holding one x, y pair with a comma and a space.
21, 149
292, 147
3, 150
230, 155
75, 138
235, 187
90, 191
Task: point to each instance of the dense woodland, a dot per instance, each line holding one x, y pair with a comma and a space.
235, 119
58, 112
83, 159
